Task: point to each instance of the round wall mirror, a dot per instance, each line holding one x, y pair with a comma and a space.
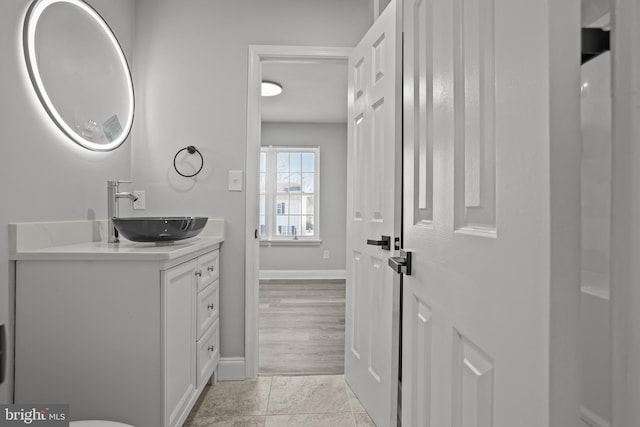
79, 72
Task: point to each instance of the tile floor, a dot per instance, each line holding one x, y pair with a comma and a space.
278, 401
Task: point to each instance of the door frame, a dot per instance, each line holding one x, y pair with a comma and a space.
625, 207
258, 54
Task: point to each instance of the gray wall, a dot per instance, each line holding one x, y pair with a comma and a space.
594, 9
190, 75
332, 140
45, 176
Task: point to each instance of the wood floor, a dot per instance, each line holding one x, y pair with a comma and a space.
302, 327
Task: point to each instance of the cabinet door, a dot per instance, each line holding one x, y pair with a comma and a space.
178, 321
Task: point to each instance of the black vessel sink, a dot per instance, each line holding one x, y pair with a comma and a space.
159, 229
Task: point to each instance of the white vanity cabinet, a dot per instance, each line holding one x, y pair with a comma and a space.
133, 341
191, 338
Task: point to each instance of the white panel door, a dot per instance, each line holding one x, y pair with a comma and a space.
372, 314
488, 305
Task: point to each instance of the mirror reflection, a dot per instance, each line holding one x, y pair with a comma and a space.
79, 72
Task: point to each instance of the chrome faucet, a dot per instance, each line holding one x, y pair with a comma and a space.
112, 207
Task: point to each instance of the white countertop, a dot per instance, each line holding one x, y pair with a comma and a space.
82, 240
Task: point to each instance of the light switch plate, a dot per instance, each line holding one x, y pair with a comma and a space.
235, 180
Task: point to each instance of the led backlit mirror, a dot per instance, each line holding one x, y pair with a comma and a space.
79, 72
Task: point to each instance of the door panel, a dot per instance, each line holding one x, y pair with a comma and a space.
372, 315
472, 400
355, 296
474, 108
417, 386
419, 27
484, 307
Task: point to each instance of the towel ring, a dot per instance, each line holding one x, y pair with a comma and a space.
191, 150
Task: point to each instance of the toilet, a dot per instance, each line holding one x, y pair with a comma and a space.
97, 423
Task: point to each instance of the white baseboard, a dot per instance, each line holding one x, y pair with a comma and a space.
302, 274
231, 368
592, 418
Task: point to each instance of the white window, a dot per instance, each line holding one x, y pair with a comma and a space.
289, 194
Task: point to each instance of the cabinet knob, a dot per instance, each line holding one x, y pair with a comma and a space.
211, 348
198, 273
211, 306
211, 268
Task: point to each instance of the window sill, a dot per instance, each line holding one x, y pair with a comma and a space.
290, 242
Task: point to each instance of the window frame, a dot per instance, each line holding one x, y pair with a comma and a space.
271, 195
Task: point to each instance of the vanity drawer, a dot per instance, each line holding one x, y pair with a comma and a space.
208, 354
208, 310
209, 266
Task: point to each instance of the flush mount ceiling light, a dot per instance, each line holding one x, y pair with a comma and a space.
271, 89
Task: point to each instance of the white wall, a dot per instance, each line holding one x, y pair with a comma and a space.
190, 74
596, 240
332, 139
45, 176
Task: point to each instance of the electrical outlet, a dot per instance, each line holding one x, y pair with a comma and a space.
141, 203
326, 255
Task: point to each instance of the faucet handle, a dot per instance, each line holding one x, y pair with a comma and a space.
115, 182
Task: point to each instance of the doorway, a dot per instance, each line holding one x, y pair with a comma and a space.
302, 221
595, 98
261, 61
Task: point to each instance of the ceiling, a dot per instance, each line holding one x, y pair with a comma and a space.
312, 91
